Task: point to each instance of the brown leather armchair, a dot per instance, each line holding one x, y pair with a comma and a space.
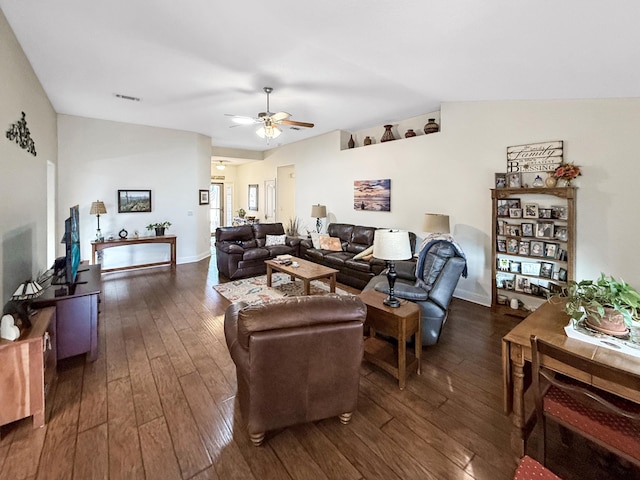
297, 359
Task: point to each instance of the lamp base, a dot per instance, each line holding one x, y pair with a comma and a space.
392, 302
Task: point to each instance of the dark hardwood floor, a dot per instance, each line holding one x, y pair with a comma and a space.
159, 404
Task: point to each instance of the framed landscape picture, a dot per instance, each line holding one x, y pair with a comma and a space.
253, 197
134, 201
372, 195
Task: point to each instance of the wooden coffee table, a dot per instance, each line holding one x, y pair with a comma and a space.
305, 271
399, 323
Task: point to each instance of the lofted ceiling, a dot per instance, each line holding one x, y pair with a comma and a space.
340, 64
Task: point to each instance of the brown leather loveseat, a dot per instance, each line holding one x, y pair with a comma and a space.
241, 251
297, 359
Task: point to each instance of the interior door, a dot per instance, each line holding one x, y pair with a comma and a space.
270, 201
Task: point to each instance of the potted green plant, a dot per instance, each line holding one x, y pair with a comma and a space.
241, 213
159, 227
606, 304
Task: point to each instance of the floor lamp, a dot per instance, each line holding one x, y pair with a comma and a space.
391, 245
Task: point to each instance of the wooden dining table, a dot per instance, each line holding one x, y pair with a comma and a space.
548, 322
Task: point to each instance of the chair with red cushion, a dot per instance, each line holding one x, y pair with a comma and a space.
605, 419
528, 468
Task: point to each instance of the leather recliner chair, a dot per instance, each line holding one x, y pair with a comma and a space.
429, 282
297, 359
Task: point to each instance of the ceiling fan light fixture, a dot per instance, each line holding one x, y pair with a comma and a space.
220, 166
269, 131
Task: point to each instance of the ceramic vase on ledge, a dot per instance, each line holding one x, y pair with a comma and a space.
431, 126
550, 181
387, 136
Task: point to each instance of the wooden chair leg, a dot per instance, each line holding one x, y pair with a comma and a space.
257, 438
345, 418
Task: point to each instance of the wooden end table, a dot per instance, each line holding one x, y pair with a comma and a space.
399, 323
305, 271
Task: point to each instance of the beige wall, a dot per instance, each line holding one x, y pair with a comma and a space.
23, 177
98, 158
452, 171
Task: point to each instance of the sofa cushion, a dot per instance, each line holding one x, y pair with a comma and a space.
403, 290
341, 230
276, 250
239, 234
361, 239
316, 237
255, 254
359, 265
331, 243
272, 240
261, 230
336, 259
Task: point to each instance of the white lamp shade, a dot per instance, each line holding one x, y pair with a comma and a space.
436, 223
391, 245
98, 208
318, 211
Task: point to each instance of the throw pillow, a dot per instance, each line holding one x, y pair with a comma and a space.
275, 240
364, 253
315, 238
331, 243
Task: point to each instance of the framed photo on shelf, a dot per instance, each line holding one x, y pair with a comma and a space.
503, 278
527, 229
514, 267
530, 210
530, 268
204, 197
536, 248
503, 264
546, 269
522, 283
560, 233
515, 212
544, 213
550, 250
502, 245
501, 227
562, 274
501, 180
513, 230
544, 230
514, 180
512, 246
561, 212
504, 204
523, 248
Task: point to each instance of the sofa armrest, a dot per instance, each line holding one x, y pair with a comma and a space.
292, 241
404, 290
306, 243
229, 248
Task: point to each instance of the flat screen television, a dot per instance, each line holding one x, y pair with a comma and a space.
66, 268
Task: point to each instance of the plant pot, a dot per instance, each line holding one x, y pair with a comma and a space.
612, 323
159, 231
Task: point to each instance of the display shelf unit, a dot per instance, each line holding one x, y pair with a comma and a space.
533, 245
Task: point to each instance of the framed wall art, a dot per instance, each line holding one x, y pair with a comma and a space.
253, 197
134, 201
374, 195
204, 197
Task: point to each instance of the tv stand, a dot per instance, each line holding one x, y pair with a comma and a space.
76, 314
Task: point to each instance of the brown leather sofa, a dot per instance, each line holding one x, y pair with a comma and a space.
297, 359
241, 251
354, 239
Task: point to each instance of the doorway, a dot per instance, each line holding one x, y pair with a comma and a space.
216, 203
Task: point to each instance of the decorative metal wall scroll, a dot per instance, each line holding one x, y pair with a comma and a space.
19, 132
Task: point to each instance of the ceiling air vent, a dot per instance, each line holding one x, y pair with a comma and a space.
127, 97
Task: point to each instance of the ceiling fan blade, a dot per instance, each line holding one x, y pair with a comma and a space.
298, 124
278, 117
242, 120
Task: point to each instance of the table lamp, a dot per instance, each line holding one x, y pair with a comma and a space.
318, 211
98, 208
22, 297
391, 245
436, 223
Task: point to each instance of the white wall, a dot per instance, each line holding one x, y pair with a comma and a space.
23, 177
98, 158
452, 172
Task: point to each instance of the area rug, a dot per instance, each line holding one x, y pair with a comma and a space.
255, 290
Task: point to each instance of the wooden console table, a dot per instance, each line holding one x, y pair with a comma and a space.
547, 322
100, 246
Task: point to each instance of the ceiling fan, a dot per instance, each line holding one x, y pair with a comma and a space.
269, 120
